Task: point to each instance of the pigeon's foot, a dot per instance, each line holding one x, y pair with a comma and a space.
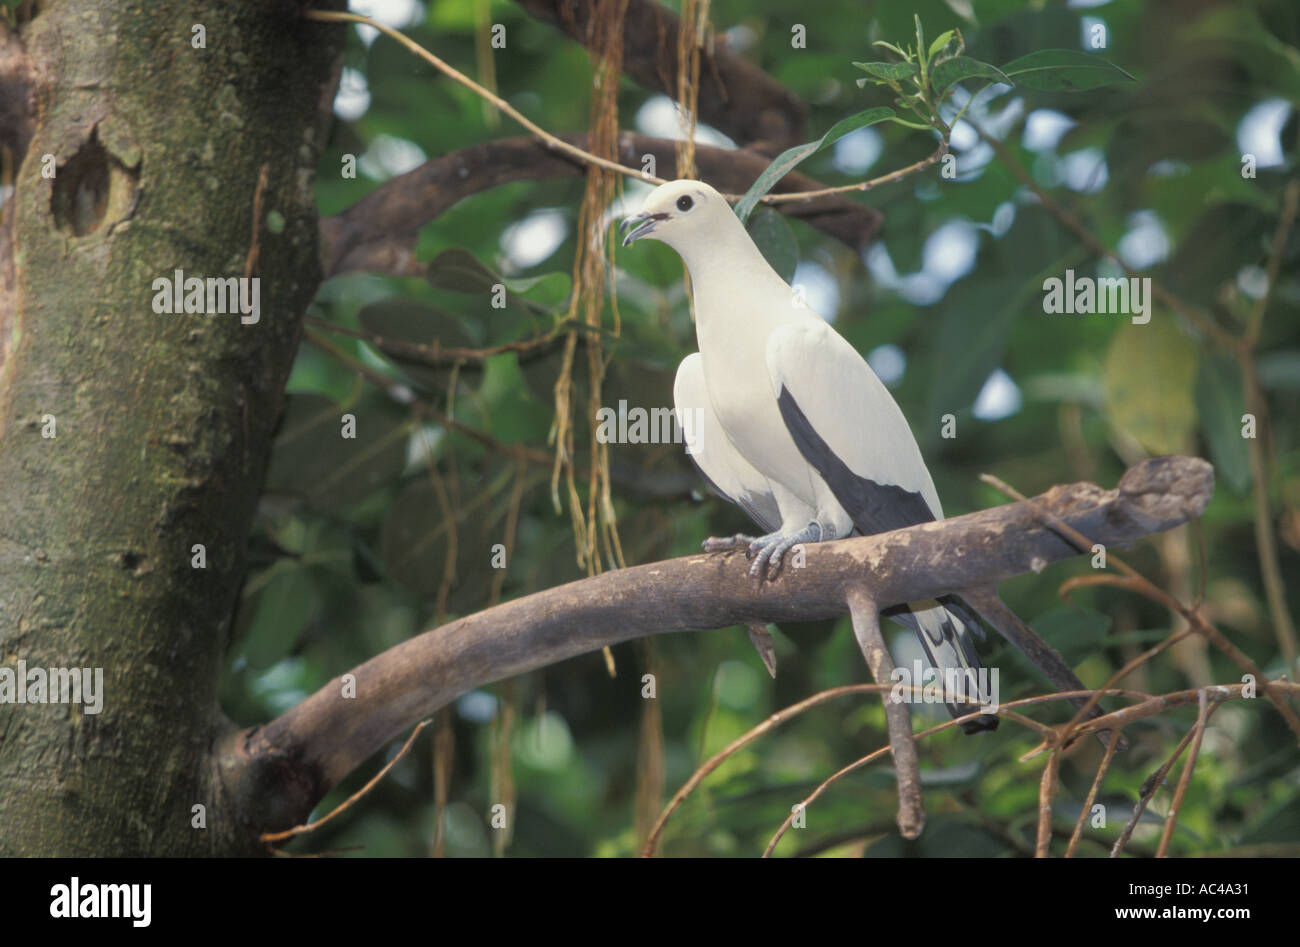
723, 543
768, 551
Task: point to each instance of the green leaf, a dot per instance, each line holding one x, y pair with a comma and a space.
940, 42
515, 416
1149, 377
1064, 70
1220, 404
789, 159
278, 611
891, 47
775, 241
461, 272
961, 68
409, 320
888, 71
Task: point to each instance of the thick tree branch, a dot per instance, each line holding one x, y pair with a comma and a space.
735, 97
284, 767
377, 233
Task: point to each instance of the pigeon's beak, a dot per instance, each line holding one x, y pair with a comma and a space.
640, 225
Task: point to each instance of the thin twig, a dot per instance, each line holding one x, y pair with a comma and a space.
749, 736
255, 246
1152, 783
1143, 585
1265, 539
1149, 706
1046, 795
558, 144
268, 838
877, 754
1111, 746
439, 356
1285, 221
890, 178
1149, 787
1171, 817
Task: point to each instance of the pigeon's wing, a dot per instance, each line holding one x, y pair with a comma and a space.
849, 428
713, 453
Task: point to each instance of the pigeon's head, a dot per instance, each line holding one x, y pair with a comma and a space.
679, 213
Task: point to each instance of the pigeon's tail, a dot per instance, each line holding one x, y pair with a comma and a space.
946, 629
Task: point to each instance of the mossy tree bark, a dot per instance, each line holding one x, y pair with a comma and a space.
161, 423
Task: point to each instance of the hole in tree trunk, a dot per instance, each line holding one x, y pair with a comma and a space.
81, 189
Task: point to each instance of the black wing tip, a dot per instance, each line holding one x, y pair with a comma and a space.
984, 723
873, 507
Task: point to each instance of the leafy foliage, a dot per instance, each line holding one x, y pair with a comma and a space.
356, 551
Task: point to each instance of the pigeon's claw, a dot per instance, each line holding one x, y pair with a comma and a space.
723, 543
768, 551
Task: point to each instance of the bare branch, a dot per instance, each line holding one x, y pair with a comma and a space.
1156, 780
305, 751
735, 97
500, 104
1143, 586
377, 233
270, 838
1171, 817
907, 765
1112, 745
717, 759
1046, 795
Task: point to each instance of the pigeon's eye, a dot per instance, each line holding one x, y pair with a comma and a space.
684, 202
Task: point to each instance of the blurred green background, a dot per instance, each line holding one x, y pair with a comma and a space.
352, 541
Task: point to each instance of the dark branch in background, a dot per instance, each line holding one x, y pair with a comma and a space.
17, 112
735, 96
377, 234
277, 772
17, 98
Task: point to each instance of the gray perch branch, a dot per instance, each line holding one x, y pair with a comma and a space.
276, 773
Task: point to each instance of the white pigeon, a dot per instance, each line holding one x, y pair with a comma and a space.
787, 420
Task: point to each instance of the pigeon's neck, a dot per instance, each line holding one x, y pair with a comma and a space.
728, 271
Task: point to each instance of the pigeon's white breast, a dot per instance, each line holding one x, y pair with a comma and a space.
733, 330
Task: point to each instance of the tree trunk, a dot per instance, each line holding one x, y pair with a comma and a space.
129, 437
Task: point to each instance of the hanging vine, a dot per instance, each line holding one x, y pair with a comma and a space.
595, 525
